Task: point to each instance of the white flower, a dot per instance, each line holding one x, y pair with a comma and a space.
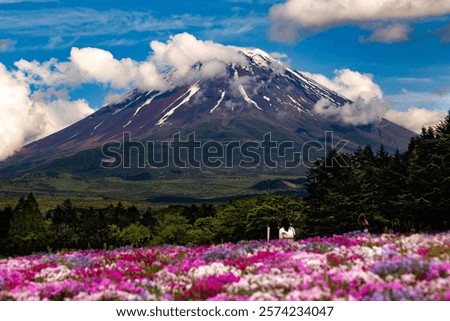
54, 274
216, 268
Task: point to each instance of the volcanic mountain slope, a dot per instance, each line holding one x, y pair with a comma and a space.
241, 102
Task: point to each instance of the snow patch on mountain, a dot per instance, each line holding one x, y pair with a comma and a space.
222, 96
191, 92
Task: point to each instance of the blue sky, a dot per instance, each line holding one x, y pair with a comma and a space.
40, 30
403, 45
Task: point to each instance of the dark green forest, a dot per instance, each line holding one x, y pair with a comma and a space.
404, 192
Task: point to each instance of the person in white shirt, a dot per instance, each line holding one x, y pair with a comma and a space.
286, 232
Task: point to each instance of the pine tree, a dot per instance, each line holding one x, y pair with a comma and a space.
334, 195
29, 229
428, 178
5, 222
93, 225
65, 226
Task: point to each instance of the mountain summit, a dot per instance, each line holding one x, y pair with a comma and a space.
243, 100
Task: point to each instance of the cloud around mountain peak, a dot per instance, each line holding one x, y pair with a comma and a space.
369, 104
36, 96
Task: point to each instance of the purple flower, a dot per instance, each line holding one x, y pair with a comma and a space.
399, 266
341, 267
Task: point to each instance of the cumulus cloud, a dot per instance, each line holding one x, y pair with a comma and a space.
100, 66
182, 51
27, 115
358, 112
415, 118
368, 103
350, 84
24, 118
322, 14
94, 65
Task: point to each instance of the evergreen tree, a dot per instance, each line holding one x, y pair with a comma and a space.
65, 226
93, 228
121, 218
29, 229
5, 223
428, 178
150, 221
334, 196
394, 190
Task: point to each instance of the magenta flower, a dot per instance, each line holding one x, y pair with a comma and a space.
342, 267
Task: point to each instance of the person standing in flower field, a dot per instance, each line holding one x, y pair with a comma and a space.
272, 230
286, 232
363, 223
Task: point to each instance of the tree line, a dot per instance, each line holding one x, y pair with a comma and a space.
404, 192
25, 229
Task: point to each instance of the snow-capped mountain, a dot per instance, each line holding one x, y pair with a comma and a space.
223, 102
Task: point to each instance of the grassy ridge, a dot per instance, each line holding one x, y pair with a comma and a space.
114, 188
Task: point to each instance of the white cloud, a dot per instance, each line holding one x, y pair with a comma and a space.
325, 13
322, 14
182, 51
369, 103
113, 98
100, 66
415, 118
24, 118
350, 84
395, 32
93, 65
27, 115
359, 112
